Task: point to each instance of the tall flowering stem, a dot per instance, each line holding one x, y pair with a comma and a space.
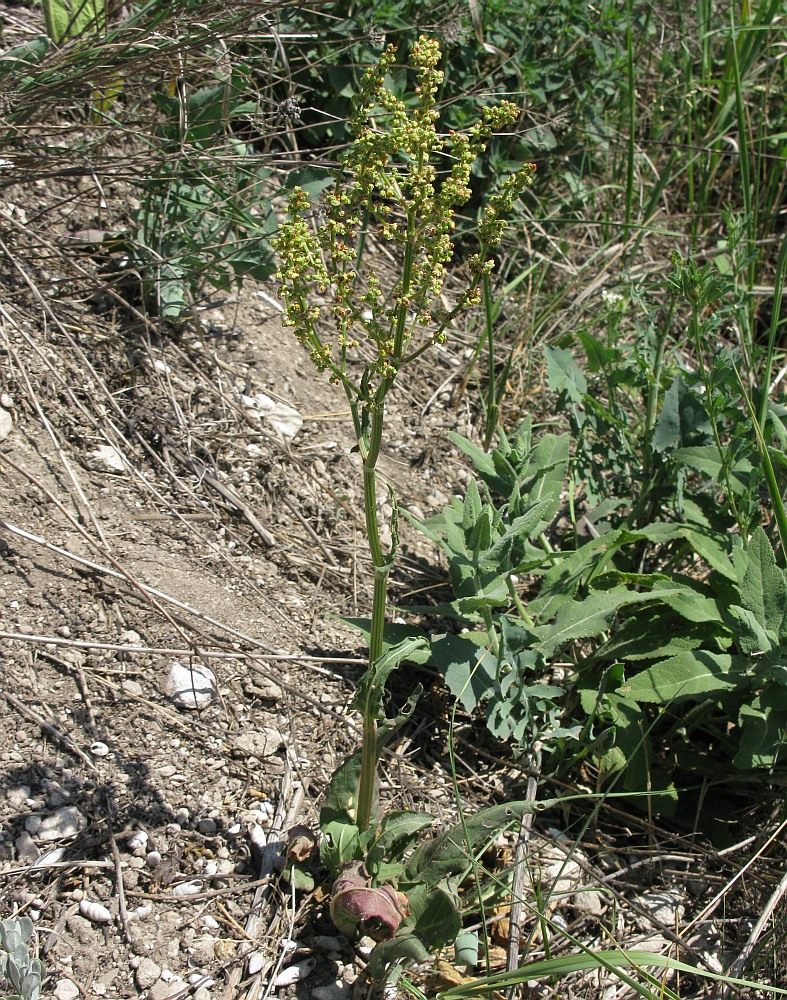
402, 180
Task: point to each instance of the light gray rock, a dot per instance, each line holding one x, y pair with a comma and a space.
65, 822
263, 742
18, 796
6, 424
284, 419
666, 906
163, 991
148, 972
106, 459
192, 687
588, 903
65, 989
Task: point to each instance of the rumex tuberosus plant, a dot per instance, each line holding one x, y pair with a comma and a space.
400, 183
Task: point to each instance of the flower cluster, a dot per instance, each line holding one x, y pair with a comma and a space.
395, 181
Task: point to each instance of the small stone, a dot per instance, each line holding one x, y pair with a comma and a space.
207, 827
327, 942
17, 797
57, 796
666, 906
26, 849
202, 993
202, 951
33, 823
263, 742
588, 903
138, 840
106, 458
65, 989
161, 990
263, 688
131, 687
66, 822
147, 973
6, 424
192, 687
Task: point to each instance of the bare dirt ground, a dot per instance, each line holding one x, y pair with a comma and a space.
215, 542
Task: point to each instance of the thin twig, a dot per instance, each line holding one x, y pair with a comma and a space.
215, 653
738, 965
122, 910
63, 738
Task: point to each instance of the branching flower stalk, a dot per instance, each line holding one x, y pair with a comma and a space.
401, 181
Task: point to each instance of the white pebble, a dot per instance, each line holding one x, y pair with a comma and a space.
107, 459
200, 979
256, 962
294, 973
192, 687
6, 424
65, 989
138, 840
99, 749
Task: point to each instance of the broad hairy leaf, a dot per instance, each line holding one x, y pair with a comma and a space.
467, 664
705, 459
398, 831
763, 589
433, 916
340, 801
405, 947
683, 419
693, 674
450, 854
564, 374
763, 738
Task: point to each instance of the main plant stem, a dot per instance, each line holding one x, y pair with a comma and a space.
370, 452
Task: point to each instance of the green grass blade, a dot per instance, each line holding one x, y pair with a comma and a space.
611, 960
